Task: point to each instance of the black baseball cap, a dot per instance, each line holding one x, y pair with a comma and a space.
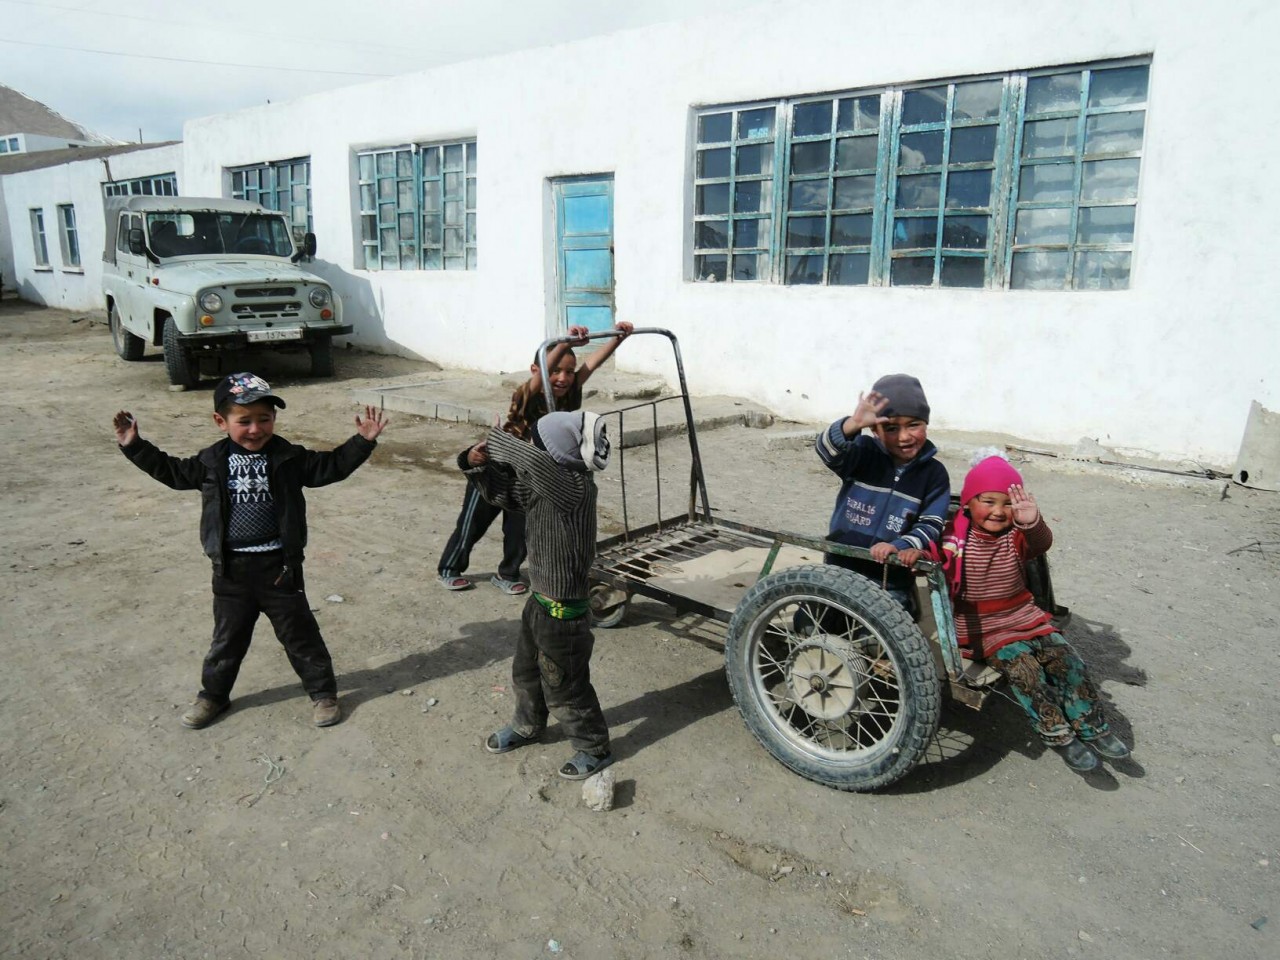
244, 388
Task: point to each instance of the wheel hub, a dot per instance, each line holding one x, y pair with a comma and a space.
827, 680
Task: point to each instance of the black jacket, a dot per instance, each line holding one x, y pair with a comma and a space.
290, 468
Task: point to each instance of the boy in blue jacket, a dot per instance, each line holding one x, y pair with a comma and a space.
895, 495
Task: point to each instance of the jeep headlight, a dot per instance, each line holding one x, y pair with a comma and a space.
210, 302
319, 297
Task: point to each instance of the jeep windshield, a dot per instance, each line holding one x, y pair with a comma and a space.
206, 233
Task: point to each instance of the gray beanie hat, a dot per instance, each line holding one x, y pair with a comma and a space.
906, 396
576, 440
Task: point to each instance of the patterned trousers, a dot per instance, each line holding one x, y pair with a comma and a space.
1052, 685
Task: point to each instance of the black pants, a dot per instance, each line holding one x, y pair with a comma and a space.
476, 517
551, 673
248, 586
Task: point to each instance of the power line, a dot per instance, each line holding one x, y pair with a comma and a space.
207, 63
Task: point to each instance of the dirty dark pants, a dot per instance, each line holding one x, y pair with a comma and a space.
476, 516
247, 587
551, 673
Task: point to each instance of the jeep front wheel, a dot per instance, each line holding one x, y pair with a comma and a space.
322, 357
128, 347
178, 363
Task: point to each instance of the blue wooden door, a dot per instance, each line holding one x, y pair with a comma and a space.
584, 251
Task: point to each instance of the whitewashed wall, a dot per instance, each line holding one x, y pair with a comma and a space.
1168, 366
79, 183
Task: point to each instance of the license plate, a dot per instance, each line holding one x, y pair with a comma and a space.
276, 333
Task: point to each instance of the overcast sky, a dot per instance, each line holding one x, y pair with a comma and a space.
115, 66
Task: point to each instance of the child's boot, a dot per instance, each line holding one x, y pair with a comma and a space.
1110, 746
1077, 755
202, 713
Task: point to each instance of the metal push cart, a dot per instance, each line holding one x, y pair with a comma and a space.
831, 675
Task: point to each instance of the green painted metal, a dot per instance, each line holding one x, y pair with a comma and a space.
282, 185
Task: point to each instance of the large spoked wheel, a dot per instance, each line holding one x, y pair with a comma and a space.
128, 347
178, 363
832, 677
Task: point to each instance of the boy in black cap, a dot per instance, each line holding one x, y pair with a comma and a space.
550, 481
895, 495
253, 526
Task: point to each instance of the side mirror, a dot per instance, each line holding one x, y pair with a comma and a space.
309, 244
137, 244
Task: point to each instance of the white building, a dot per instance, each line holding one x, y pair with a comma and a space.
1042, 210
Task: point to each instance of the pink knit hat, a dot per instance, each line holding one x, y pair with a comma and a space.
991, 474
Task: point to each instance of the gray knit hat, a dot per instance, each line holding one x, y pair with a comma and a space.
906, 396
576, 440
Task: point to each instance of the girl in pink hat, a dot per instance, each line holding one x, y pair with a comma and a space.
985, 549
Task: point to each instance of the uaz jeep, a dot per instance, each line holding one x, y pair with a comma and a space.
204, 278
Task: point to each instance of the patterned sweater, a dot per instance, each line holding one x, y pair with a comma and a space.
559, 506
993, 606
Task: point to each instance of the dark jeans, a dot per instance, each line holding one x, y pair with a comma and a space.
551, 673
246, 587
476, 517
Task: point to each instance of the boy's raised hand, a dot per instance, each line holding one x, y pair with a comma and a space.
372, 424
866, 413
1025, 511
126, 428
579, 335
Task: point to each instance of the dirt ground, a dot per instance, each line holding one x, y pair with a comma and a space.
124, 835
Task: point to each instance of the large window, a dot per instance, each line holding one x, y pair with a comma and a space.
282, 185
68, 236
38, 242
418, 207
160, 185
1026, 181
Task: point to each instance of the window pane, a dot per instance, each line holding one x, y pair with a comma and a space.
472, 157
1110, 180
969, 188
924, 106
711, 268
911, 272
1098, 270
404, 194
711, 234
713, 198
453, 156
749, 266
1105, 225
1040, 270
371, 257
810, 157
386, 212
453, 213
755, 160
406, 226
1112, 88
388, 238
713, 163
404, 163
1046, 183
1059, 91
965, 233
431, 231
237, 180
471, 228
860, 113
714, 127
963, 271
849, 269
808, 195
753, 196
919, 192
806, 231
804, 269
851, 231
473, 258
452, 185
431, 198
431, 162
854, 192
386, 164
811, 119
748, 233
915, 233
973, 144
1049, 138
755, 123
471, 194
857, 153
386, 189
1114, 133
1043, 226
431, 259
920, 150
977, 101
453, 242
368, 228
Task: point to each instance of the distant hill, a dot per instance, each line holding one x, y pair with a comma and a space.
21, 114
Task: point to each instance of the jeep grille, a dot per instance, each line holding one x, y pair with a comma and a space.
266, 292
267, 311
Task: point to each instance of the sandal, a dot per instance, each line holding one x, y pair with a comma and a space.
582, 765
506, 740
512, 588
455, 583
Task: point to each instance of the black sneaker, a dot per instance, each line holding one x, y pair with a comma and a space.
1077, 756
1110, 746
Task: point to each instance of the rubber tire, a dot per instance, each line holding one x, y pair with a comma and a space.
322, 357
128, 347
615, 614
919, 699
181, 367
